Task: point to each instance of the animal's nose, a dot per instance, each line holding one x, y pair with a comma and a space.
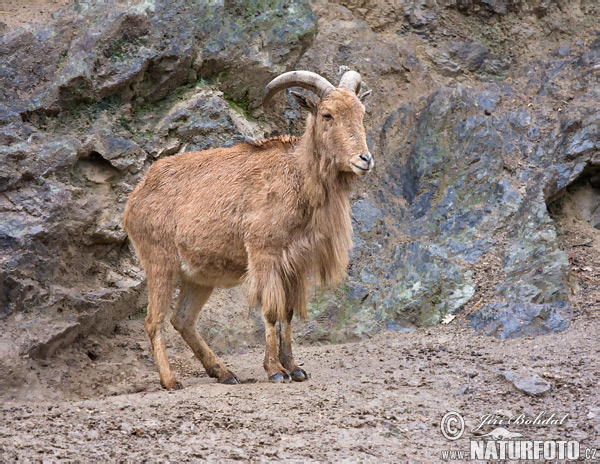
367, 158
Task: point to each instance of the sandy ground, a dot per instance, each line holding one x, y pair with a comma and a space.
376, 400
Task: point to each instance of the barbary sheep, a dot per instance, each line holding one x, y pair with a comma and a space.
266, 213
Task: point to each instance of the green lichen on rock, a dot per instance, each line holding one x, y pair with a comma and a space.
428, 286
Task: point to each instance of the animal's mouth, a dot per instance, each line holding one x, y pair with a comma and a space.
360, 170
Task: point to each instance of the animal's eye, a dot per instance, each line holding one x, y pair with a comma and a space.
327, 117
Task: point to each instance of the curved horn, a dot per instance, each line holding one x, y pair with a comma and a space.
350, 81
306, 79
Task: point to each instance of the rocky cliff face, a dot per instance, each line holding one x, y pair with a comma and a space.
483, 113
86, 105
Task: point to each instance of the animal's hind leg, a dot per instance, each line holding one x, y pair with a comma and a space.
191, 299
161, 283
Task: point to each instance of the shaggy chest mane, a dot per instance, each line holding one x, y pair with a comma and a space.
329, 233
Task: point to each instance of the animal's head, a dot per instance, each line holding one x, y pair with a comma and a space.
338, 130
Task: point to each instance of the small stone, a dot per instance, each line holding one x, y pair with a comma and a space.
564, 50
532, 385
126, 427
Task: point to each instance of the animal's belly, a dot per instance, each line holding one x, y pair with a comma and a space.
211, 280
213, 267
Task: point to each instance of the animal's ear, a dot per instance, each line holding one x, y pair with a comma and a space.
304, 101
364, 96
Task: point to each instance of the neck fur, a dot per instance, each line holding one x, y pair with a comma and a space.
327, 190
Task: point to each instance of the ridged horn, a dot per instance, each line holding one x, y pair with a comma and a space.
305, 79
350, 81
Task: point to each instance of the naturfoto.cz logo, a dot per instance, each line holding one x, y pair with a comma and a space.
500, 443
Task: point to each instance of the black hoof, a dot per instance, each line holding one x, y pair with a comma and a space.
231, 380
280, 377
175, 386
299, 375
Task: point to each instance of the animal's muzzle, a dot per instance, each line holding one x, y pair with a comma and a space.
361, 164
368, 159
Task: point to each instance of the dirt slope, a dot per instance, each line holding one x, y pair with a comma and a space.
17, 12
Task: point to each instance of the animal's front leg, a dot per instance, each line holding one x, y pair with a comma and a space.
275, 371
266, 288
285, 351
